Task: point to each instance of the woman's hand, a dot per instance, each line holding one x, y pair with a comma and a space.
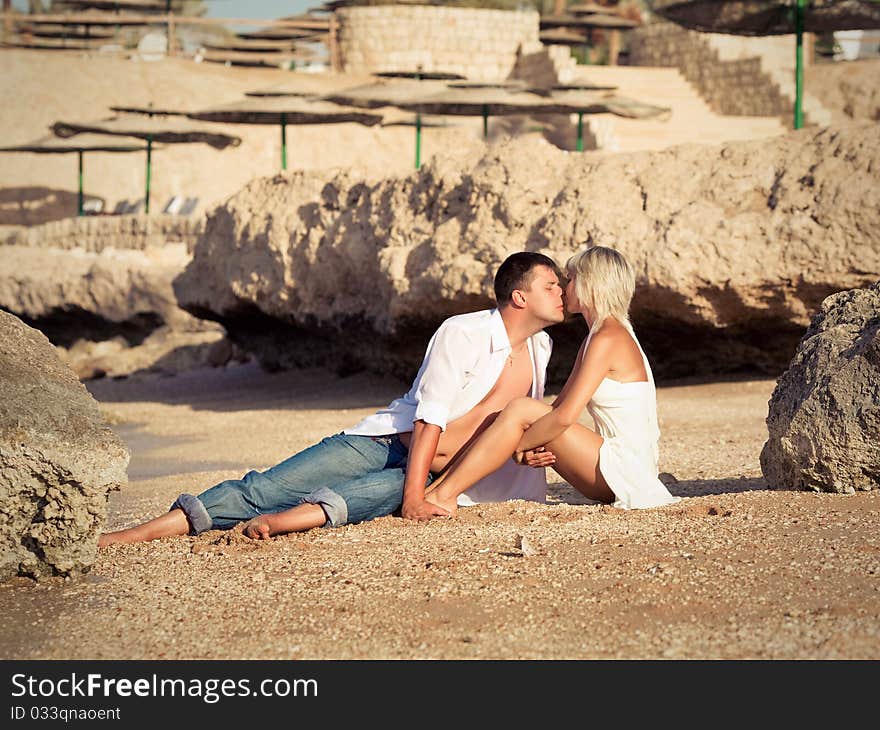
537, 458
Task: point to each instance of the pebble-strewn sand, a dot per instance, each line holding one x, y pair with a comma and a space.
732, 571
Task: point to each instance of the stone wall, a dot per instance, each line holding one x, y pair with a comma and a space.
736, 75
478, 44
95, 233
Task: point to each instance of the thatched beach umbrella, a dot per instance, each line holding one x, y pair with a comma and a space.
283, 110
143, 6
396, 90
580, 102
586, 24
152, 130
53, 145
562, 37
476, 100
773, 17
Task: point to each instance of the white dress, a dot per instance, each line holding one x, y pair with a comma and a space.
626, 418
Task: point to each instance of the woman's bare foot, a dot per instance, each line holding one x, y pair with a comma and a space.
437, 497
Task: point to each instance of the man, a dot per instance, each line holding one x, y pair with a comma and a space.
475, 365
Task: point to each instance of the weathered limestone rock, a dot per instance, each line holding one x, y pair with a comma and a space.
105, 283
58, 460
824, 418
68, 291
735, 247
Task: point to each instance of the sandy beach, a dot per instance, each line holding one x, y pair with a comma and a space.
732, 571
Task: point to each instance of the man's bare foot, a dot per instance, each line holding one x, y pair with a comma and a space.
258, 528
437, 497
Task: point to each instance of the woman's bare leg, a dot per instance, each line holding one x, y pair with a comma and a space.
489, 452
171, 523
296, 519
577, 461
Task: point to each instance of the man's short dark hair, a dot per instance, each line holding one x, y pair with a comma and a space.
516, 272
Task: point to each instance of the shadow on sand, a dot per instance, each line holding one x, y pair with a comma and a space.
249, 387
563, 493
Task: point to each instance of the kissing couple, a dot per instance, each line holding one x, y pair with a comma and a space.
473, 427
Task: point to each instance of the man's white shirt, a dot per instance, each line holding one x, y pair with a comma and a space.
463, 361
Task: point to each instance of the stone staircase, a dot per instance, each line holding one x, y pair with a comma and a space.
737, 75
691, 121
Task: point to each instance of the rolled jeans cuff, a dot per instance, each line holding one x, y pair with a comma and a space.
333, 505
198, 517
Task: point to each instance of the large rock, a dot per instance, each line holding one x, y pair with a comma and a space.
58, 460
102, 284
824, 418
735, 246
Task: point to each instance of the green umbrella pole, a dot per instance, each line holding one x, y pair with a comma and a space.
79, 194
283, 141
799, 67
418, 140
149, 172
580, 142
485, 121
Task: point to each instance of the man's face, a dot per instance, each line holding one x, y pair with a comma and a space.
543, 297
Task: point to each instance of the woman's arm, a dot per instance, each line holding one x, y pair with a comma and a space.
568, 406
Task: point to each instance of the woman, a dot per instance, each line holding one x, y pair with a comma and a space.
611, 378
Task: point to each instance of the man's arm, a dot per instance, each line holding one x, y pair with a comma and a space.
422, 450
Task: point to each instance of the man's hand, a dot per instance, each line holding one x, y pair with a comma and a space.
422, 511
538, 458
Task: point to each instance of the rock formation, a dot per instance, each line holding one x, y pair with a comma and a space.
824, 418
102, 284
735, 246
58, 460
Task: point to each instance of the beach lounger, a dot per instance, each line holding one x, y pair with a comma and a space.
173, 206
121, 207
189, 206
93, 206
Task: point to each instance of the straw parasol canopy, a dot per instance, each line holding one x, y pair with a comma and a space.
612, 22
587, 102
53, 145
311, 25
244, 58
271, 109
562, 37
55, 44
65, 30
583, 87
286, 89
394, 89
769, 17
284, 110
478, 100
151, 129
384, 93
420, 75
155, 130
150, 111
250, 46
145, 6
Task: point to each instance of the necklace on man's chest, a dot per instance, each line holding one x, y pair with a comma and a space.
513, 355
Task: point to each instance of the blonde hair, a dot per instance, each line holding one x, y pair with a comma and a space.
604, 282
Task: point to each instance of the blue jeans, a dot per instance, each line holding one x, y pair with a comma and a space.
352, 478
